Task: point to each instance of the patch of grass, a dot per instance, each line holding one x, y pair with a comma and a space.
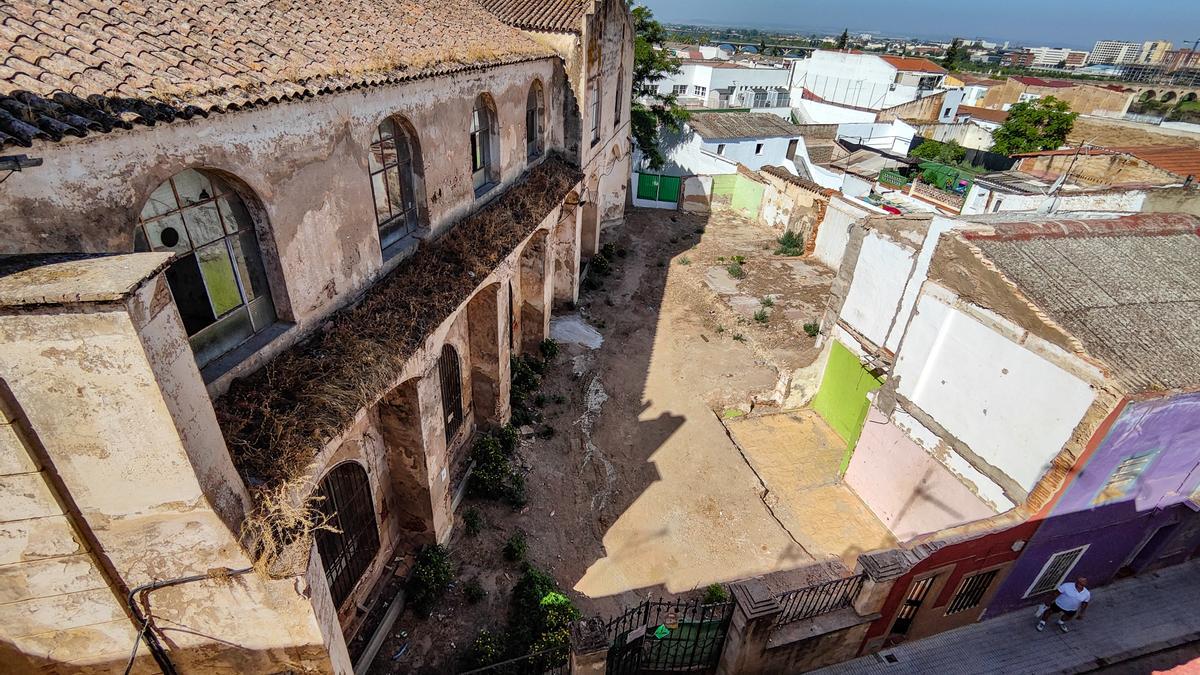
735, 270
732, 413
473, 591
720, 328
473, 521
811, 329
767, 301
431, 574
685, 260
516, 547
715, 593
739, 337
761, 316
790, 244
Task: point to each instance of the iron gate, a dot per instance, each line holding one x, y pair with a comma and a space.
668, 636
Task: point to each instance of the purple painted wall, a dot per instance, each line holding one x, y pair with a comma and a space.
1116, 527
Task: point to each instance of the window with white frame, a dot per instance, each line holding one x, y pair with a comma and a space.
1055, 571
679, 90
783, 100
697, 90
1124, 477
760, 99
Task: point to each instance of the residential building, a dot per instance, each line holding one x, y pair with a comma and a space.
1142, 164
1154, 51
1115, 52
720, 84
1045, 57
988, 387
1015, 190
273, 258
867, 81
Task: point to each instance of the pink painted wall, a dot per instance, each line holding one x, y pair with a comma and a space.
906, 488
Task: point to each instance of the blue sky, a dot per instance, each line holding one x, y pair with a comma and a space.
1066, 23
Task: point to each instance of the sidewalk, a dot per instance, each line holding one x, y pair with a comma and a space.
1125, 620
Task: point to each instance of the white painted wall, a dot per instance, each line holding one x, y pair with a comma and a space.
967, 134
854, 186
815, 112
895, 136
880, 275
740, 82
1124, 201
1012, 407
746, 150
973, 94
834, 231
983, 486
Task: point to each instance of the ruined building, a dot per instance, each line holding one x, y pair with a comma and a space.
272, 251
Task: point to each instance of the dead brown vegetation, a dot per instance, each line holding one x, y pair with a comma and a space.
276, 420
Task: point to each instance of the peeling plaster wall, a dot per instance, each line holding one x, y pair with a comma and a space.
833, 233
302, 164
1012, 407
158, 501
608, 49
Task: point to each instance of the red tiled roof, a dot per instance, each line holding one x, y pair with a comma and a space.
987, 114
155, 60
559, 16
913, 64
1179, 160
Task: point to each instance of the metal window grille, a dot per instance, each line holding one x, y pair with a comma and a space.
911, 605
1056, 569
217, 277
451, 378
392, 182
349, 547
1124, 478
970, 592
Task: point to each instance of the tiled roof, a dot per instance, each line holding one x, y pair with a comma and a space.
72, 67
741, 125
1179, 160
1127, 288
1039, 82
913, 64
985, 114
800, 181
559, 16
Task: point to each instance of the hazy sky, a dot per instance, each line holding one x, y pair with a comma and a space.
1067, 23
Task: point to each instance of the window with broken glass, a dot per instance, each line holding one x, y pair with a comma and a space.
393, 182
483, 128
217, 277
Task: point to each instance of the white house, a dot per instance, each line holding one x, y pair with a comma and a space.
867, 81
708, 83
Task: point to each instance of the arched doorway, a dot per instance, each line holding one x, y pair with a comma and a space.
483, 327
351, 542
533, 293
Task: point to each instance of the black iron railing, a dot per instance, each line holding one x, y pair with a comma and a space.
805, 603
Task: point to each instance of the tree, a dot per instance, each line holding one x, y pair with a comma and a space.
762, 47
844, 41
652, 111
1040, 124
952, 53
946, 153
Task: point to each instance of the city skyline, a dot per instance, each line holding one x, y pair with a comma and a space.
1064, 24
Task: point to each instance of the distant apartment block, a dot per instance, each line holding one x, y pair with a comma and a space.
1115, 52
1154, 51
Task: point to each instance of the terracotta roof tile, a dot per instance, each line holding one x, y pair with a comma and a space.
156, 60
559, 16
986, 114
913, 64
741, 125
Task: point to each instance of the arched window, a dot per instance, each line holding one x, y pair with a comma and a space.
450, 374
485, 149
352, 541
217, 277
395, 177
535, 113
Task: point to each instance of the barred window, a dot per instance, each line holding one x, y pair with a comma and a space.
217, 277
450, 374
971, 591
1055, 571
351, 542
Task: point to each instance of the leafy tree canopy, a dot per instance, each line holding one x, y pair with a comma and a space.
1040, 124
946, 153
652, 111
844, 40
953, 53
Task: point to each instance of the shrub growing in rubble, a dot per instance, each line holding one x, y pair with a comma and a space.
508, 437
473, 591
811, 329
488, 647
515, 547
431, 574
735, 270
790, 244
715, 593
549, 349
473, 521
761, 316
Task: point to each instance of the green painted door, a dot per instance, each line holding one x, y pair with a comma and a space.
842, 399
647, 186
668, 188
658, 188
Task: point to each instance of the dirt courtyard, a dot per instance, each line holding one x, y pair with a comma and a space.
662, 474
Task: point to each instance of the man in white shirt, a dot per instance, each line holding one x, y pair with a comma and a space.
1072, 602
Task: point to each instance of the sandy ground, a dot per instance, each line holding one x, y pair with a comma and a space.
642, 490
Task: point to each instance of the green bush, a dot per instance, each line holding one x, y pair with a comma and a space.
609, 250
508, 437
715, 593
761, 316
790, 244
812, 329
487, 648
540, 616
600, 265
739, 259
767, 301
549, 349
516, 547
735, 270
685, 260
514, 491
473, 591
473, 521
431, 574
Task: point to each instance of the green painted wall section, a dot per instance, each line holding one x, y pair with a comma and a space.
744, 195
842, 399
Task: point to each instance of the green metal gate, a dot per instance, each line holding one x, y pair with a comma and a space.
660, 637
658, 188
